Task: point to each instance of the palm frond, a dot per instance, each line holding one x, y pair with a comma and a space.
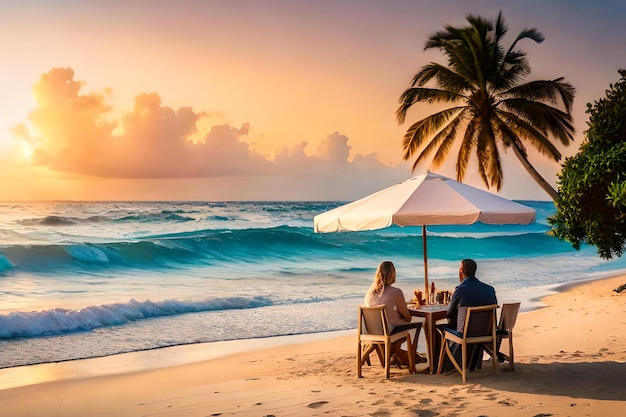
489, 164
476, 51
509, 137
480, 25
545, 90
439, 39
500, 28
515, 129
514, 62
544, 117
444, 140
512, 69
483, 155
459, 46
444, 77
531, 33
566, 91
467, 144
425, 128
425, 74
419, 94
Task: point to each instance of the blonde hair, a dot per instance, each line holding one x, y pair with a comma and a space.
385, 275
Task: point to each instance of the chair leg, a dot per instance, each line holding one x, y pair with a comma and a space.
381, 358
367, 350
366, 356
415, 341
441, 354
494, 361
410, 354
359, 361
387, 359
453, 359
511, 362
464, 361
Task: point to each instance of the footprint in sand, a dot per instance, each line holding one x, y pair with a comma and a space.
476, 390
317, 404
424, 413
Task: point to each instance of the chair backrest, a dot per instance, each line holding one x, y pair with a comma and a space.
375, 320
508, 317
480, 321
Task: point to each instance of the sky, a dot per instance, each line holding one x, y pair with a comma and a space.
254, 100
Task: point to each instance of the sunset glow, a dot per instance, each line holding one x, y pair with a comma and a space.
261, 100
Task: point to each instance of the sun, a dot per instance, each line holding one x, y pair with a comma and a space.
26, 150
16, 144
18, 149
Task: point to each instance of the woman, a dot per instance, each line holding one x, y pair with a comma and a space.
381, 292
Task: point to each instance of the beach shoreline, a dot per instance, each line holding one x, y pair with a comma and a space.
568, 354
147, 360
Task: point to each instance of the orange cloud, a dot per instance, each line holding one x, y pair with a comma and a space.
74, 132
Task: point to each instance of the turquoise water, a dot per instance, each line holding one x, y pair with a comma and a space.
81, 280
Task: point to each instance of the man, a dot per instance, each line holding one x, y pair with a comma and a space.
469, 293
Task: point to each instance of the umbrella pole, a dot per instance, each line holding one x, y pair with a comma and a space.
426, 293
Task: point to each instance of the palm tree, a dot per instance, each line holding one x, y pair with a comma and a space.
490, 107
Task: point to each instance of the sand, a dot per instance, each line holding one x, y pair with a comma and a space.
570, 361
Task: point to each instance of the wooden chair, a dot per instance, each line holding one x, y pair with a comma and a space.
479, 329
373, 334
504, 330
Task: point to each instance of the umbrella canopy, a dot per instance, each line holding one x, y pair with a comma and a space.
429, 199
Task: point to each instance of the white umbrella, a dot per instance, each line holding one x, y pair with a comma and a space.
428, 199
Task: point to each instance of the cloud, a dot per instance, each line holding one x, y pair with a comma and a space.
73, 132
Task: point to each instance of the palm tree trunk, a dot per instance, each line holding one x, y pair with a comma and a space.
521, 155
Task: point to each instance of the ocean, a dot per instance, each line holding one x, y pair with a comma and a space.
90, 279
